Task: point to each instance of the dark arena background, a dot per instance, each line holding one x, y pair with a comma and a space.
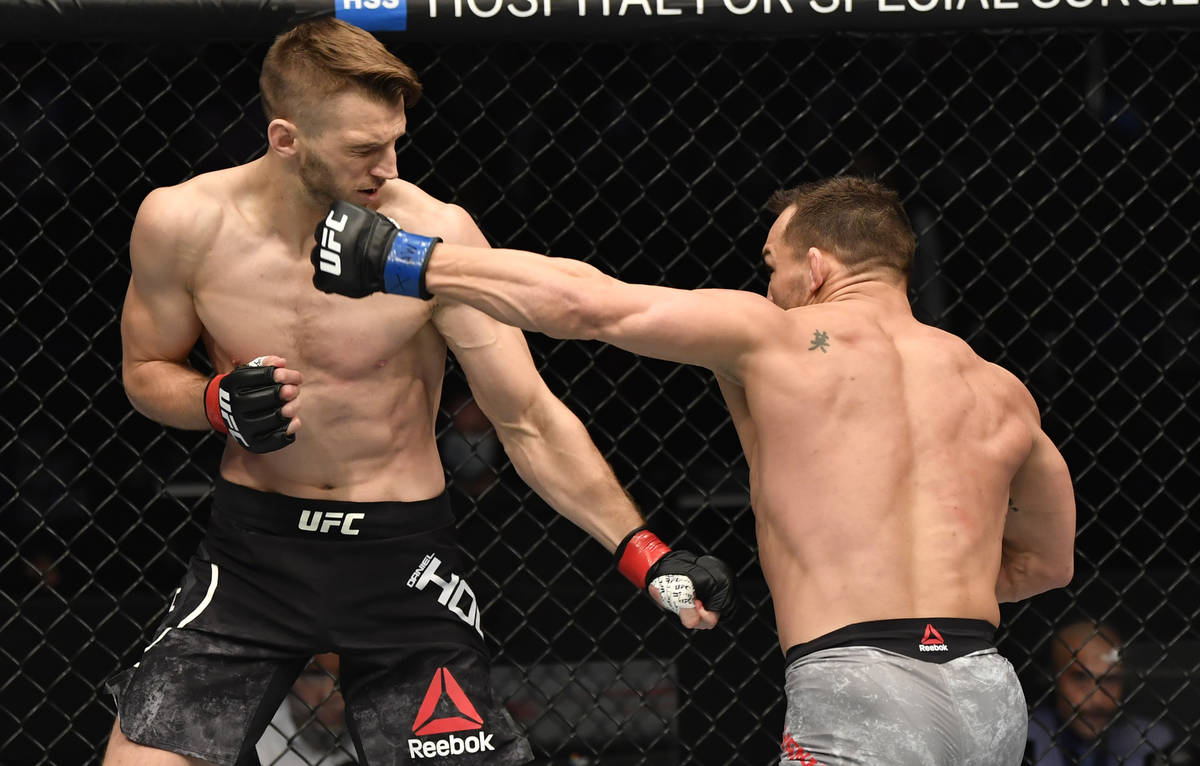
1046, 153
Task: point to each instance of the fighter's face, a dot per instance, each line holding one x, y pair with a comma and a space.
788, 286
348, 149
1089, 689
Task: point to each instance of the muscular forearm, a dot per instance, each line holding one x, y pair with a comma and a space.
170, 393
554, 455
554, 296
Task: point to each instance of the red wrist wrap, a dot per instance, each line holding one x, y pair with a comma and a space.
212, 404
638, 553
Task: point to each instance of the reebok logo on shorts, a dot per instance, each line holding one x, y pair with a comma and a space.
795, 752
933, 641
442, 686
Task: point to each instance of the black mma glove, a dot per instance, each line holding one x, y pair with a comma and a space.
679, 576
359, 252
245, 404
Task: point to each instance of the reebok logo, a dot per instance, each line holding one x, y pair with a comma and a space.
323, 521
795, 752
933, 641
442, 686
331, 259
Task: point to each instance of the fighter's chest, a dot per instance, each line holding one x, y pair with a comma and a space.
262, 301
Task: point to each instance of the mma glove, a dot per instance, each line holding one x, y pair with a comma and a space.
360, 251
679, 576
246, 405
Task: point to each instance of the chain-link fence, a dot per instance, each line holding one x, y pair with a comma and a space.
1051, 176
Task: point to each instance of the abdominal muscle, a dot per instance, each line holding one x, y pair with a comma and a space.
376, 453
367, 407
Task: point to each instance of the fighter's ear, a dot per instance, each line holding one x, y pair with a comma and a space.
281, 137
818, 265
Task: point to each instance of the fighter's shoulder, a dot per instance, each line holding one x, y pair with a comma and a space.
1012, 387
827, 318
420, 212
183, 213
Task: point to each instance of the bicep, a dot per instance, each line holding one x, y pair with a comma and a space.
158, 320
1041, 517
495, 359
1042, 484
715, 329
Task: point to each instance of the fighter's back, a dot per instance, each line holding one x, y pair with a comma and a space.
884, 453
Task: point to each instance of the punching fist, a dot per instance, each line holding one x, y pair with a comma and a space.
680, 577
360, 251
246, 404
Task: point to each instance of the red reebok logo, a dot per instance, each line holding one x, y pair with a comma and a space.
933, 641
796, 752
468, 718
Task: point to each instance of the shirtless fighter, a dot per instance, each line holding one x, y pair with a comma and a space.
902, 486
330, 528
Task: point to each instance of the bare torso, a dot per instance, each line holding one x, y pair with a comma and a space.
372, 367
879, 469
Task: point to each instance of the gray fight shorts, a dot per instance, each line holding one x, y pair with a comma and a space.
928, 692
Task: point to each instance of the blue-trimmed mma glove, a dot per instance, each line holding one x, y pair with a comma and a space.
679, 576
245, 404
360, 251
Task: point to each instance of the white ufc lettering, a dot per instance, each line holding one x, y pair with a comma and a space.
323, 521
331, 259
227, 416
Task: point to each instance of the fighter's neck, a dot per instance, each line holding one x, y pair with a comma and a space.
276, 198
887, 294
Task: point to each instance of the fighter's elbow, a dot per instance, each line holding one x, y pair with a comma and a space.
1048, 574
131, 380
1062, 572
1025, 576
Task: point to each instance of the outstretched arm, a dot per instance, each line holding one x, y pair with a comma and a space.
565, 298
360, 252
548, 445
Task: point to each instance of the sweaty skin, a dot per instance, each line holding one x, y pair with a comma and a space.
883, 452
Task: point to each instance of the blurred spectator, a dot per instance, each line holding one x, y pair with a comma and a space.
1084, 724
470, 450
309, 728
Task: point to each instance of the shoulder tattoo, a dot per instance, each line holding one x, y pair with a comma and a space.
820, 341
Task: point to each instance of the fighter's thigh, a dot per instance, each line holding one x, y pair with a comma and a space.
122, 752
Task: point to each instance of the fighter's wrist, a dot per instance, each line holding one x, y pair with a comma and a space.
212, 404
639, 551
405, 264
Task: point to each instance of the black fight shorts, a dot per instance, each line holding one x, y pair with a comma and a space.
278, 579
